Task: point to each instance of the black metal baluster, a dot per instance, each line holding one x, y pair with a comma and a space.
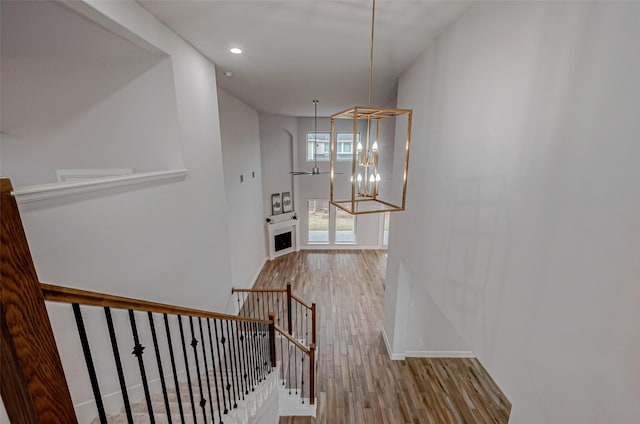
116, 357
295, 362
241, 362
306, 326
222, 380
243, 352
231, 365
282, 360
213, 369
297, 327
272, 309
267, 348
302, 378
206, 367
256, 342
160, 370
238, 358
253, 304
228, 387
234, 354
289, 365
251, 355
263, 353
173, 367
138, 350
186, 365
239, 307
254, 363
89, 361
194, 345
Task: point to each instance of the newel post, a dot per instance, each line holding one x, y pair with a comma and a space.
32, 382
312, 373
272, 338
289, 322
313, 323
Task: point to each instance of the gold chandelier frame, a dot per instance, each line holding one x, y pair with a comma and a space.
367, 200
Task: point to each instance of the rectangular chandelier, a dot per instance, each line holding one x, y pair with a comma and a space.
369, 172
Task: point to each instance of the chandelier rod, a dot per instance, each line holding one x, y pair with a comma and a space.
373, 18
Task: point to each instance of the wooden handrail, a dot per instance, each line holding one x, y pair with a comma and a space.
300, 301
234, 290
33, 385
311, 353
292, 340
61, 294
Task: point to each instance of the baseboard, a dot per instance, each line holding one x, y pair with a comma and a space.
393, 355
439, 354
397, 356
340, 247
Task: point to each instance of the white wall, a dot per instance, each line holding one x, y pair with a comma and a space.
239, 127
277, 150
61, 113
62, 101
522, 218
163, 242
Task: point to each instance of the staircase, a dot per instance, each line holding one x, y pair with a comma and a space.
194, 366
182, 409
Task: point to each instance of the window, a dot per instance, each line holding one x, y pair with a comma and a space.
318, 214
345, 227
322, 142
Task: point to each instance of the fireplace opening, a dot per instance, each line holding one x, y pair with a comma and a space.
282, 241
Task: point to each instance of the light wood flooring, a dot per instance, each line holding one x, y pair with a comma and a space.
357, 382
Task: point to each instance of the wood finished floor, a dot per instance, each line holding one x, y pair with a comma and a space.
357, 382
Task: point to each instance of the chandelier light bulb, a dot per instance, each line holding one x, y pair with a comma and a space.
374, 146
359, 147
378, 178
359, 178
372, 178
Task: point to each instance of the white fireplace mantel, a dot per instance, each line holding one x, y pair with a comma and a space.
277, 228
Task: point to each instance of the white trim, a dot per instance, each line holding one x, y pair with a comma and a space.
326, 246
51, 191
394, 356
424, 353
77, 175
439, 354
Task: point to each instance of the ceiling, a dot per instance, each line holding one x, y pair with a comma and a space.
296, 50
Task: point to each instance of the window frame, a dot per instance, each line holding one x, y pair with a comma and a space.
342, 156
328, 241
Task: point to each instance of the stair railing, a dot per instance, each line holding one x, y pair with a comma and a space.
222, 357
290, 310
229, 355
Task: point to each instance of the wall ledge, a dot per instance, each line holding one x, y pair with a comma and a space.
50, 191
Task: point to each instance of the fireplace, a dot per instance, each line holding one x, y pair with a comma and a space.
282, 237
282, 241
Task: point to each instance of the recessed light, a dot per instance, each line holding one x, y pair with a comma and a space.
235, 50
228, 74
